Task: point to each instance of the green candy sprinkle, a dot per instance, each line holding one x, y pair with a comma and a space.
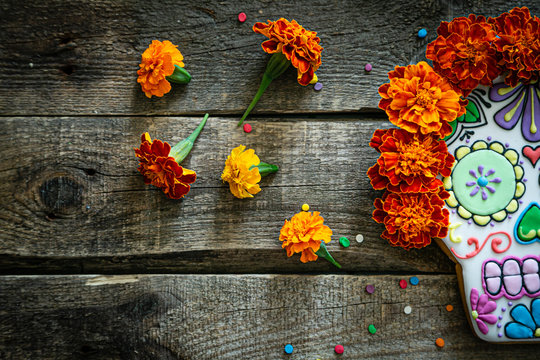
371, 329
343, 241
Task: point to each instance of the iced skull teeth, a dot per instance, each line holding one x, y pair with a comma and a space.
513, 278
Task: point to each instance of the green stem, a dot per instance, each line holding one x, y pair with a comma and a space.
276, 66
265, 168
181, 150
323, 252
179, 76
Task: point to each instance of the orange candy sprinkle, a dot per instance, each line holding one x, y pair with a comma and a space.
449, 308
439, 342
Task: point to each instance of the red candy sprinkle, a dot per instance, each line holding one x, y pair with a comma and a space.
339, 349
242, 17
247, 128
403, 284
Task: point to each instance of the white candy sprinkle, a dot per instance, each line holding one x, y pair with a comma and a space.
407, 310
359, 238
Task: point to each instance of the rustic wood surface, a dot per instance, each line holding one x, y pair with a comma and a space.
72, 201
239, 317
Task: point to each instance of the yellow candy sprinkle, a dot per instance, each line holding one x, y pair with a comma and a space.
305, 207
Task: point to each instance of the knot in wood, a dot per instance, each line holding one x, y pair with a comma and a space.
61, 194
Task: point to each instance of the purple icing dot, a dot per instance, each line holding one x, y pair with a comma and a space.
503, 309
467, 141
521, 201
489, 138
510, 303
499, 334
492, 224
317, 86
499, 325
521, 162
500, 317
524, 180
509, 216
470, 222
453, 211
507, 144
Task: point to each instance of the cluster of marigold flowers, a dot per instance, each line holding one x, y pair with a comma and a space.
422, 101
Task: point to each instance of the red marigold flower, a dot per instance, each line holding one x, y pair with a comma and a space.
409, 162
417, 99
464, 53
299, 45
519, 45
162, 170
411, 220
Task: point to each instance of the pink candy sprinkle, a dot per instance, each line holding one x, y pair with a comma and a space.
247, 128
368, 67
242, 17
370, 289
339, 349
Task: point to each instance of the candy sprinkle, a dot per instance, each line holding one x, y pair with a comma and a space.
305, 207
403, 284
422, 33
343, 241
317, 86
449, 308
247, 128
339, 349
371, 329
359, 238
439, 342
368, 67
414, 280
370, 289
242, 17
407, 310
288, 349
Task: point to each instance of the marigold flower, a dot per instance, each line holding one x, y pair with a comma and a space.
289, 43
464, 53
417, 99
519, 45
159, 163
409, 162
243, 171
412, 219
304, 234
161, 62
299, 45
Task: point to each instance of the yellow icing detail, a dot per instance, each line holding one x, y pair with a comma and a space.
537, 332
529, 236
451, 201
533, 125
474, 314
499, 216
512, 156
481, 220
453, 227
463, 213
479, 145
520, 189
512, 206
462, 151
504, 91
497, 147
509, 115
518, 170
447, 182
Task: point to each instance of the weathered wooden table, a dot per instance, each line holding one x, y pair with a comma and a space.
205, 277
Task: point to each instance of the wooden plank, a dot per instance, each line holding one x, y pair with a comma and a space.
80, 57
73, 201
235, 317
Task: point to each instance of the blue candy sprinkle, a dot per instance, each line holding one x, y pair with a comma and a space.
414, 280
422, 33
288, 349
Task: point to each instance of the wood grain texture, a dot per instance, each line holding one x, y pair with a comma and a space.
72, 198
235, 317
80, 57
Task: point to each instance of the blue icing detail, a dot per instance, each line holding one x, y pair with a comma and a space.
482, 181
526, 321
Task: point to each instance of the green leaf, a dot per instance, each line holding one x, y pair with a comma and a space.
182, 149
323, 252
265, 168
179, 76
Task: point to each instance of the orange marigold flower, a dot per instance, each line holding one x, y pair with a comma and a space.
162, 170
464, 53
299, 45
409, 162
417, 99
157, 63
411, 220
303, 234
242, 173
519, 45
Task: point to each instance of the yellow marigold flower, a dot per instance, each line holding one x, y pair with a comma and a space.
161, 62
306, 233
243, 171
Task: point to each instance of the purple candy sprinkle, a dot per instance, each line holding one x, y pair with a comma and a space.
509, 216
507, 144
489, 138
467, 141
510, 303
318, 86
503, 309
524, 180
521, 162
470, 222
492, 224
500, 334
499, 325
500, 317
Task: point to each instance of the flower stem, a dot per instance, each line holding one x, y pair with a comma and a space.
179, 76
323, 252
276, 66
182, 149
266, 169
